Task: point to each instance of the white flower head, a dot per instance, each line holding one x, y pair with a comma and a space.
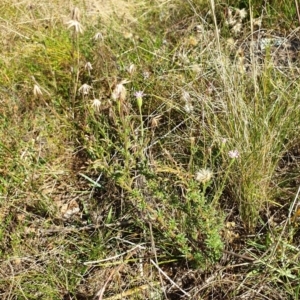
88, 66
230, 17
204, 175
84, 89
146, 74
139, 94
96, 103
37, 91
76, 25
234, 154
131, 69
223, 141
237, 28
242, 13
119, 92
139, 98
188, 107
257, 22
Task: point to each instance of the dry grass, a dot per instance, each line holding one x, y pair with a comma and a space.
188, 189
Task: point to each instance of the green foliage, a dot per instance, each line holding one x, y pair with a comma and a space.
190, 223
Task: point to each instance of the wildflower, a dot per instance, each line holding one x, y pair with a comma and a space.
77, 26
229, 12
139, 94
84, 89
37, 91
186, 97
146, 74
155, 121
88, 66
139, 98
96, 104
131, 69
119, 92
223, 141
233, 153
237, 28
242, 13
188, 107
230, 18
204, 175
98, 37
257, 22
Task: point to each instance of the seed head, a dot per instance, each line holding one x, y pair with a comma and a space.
188, 107
242, 13
120, 92
257, 22
146, 74
76, 25
131, 69
155, 121
88, 66
84, 89
96, 104
37, 91
204, 175
186, 96
237, 28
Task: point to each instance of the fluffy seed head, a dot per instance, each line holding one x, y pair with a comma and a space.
76, 25
37, 91
120, 92
84, 89
204, 175
96, 103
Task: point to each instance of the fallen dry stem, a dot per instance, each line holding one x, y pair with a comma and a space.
170, 280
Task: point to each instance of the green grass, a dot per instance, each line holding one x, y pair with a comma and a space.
111, 196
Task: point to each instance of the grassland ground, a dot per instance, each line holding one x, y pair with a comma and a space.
149, 150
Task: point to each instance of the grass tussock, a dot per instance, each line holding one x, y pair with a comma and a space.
149, 152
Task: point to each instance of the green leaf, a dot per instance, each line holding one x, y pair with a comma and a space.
95, 184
